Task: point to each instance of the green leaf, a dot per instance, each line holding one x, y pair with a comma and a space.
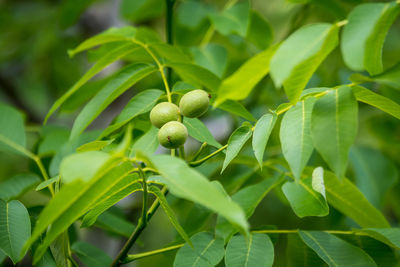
389, 236
53, 138
212, 57
12, 135
47, 183
345, 197
318, 183
334, 127
185, 182
374, 173
234, 19
60, 251
91, 255
299, 254
248, 198
295, 136
110, 35
257, 252
364, 34
191, 14
103, 62
207, 251
299, 56
82, 166
304, 200
142, 10
262, 131
195, 74
147, 142
236, 108
73, 200
115, 224
170, 213
362, 94
2, 256
334, 251
127, 77
126, 186
18, 185
240, 84
139, 104
235, 143
199, 131
94, 145
47, 260
259, 32
390, 77
15, 229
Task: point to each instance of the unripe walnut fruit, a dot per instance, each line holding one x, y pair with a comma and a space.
173, 134
163, 113
194, 104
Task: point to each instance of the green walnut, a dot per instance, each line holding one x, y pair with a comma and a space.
173, 134
163, 113
194, 104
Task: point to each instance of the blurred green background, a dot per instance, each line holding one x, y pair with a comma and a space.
35, 70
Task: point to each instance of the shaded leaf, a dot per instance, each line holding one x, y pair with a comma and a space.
18, 185
259, 31
257, 252
147, 142
142, 10
199, 131
389, 236
233, 19
91, 255
115, 224
212, 57
12, 135
236, 108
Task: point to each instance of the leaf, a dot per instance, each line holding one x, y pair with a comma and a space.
191, 14
199, 131
390, 77
94, 145
185, 182
299, 56
142, 10
345, 197
12, 135
74, 200
235, 143
195, 74
207, 251
107, 59
170, 213
115, 224
212, 57
60, 251
147, 142
304, 200
236, 108
47, 183
259, 32
110, 35
334, 251
18, 185
362, 94
126, 186
233, 19
318, 181
82, 166
15, 229
91, 255
240, 84
295, 136
262, 131
127, 77
257, 252
389, 236
364, 34
374, 173
248, 198
334, 127
299, 254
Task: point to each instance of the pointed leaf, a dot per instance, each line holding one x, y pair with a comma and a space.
91, 255
94, 145
207, 251
15, 229
18, 185
364, 34
389, 236
295, 136
334, 127
115, 224
114, 88
262, 131
235, 143
12, 135
299, 56
240, 84
147, 142
212, 57
47, 183
259, 32
189, 184
170, 213
236, 108
233, 19
334, 251
318, 183
385, 104
199, 131
257, 252
390, 77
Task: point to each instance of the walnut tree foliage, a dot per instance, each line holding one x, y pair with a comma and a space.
288, 112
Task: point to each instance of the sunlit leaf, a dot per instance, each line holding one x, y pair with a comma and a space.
199, 131
262, 131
